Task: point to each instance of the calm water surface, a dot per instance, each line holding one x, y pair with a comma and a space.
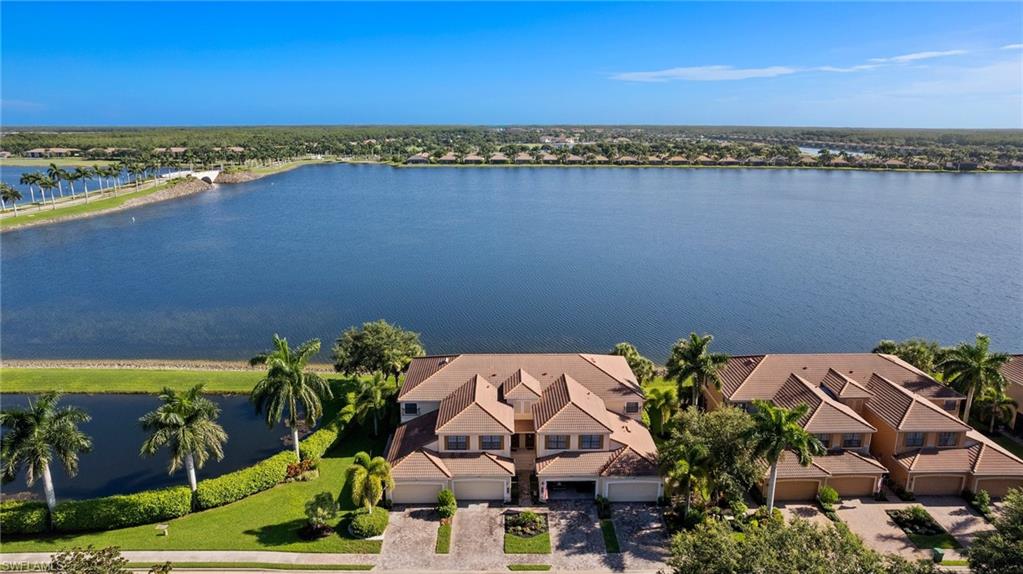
114, 465
529, 259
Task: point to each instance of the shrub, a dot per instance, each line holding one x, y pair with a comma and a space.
24, 517
446, 503
982, 500
828, 496
317, 444
367, 524
525, 524
89, 560
237, 485
124, 510
739, 509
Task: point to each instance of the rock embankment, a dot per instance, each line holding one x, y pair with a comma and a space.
237, 177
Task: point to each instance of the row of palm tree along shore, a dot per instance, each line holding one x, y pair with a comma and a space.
185, 423
54, 178
824, 158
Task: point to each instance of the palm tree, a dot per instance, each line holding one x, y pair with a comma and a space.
688, 462
369, 478
30, 179
372, 400
47, 184
33, 436
997, 405
777, 429
288, 385
186, 423
691, 360
58, 175
71, 177
8, 193
973, 368
662, 402
83, 173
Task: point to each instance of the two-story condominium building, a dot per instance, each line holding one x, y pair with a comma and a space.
877, 415
473, 423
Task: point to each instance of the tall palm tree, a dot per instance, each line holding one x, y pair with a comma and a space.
661, 402
372, 400
777, 429
287, 385
996, 405
58, 175
71, 177
186, 423
35, 435
30, 179
973, 368
83, 173
8, 193
690, 359
47, 184
688, 462
369, 478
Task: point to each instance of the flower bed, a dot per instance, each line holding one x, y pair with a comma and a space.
921, 528
526, 532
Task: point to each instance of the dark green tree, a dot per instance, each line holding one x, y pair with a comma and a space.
641, 366
376, 347
691, 360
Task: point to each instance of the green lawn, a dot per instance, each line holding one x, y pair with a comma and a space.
23, 380
106, 202
539, 544
269, 520
46, 161
443, 539
943, 540
529, 567
607, 528
260, 566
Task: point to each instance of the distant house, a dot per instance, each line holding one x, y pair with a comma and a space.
779, 160
548, 158
1012, 372
523, 158
728, 160
448, 158
704, 160
5, 154
628, 160
473, 159
807, 160
600, 159
573, 159
678, 160
52, 152
653, 160
756, 161
839, 162
895, 164
418, 159
499, 158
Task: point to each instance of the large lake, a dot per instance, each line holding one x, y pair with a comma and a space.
529, 259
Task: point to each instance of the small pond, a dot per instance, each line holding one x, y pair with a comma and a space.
114, 465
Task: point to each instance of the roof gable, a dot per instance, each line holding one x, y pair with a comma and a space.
825, 414
474, 408
904, 411
843, 387
521, 385
567, 405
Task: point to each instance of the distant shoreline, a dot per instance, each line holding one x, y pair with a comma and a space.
649, 166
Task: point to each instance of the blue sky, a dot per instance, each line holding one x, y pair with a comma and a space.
850, 64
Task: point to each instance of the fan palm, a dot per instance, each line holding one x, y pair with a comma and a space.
8, 193
776, 430
973, 368
35, 435
368, 479
288, 386
661, 402
186, 423
30, 179
372, 400
690, 360
994, 404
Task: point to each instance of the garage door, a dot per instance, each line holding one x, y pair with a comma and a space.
937, 485
479, 489
795, 490
998, 487
415, 493
853, 485
632, 491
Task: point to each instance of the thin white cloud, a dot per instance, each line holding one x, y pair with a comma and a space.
719, 73
915, 56
705, 74
1012, 47
21, 105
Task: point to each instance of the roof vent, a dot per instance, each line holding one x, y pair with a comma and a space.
445, 360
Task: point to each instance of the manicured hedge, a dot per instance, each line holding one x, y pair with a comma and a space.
23, 517
368, 524
317, 444
122, 510
236, 485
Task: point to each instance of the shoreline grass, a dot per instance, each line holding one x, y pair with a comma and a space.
94, 207
126, 381
46, 161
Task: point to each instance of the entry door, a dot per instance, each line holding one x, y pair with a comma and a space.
530, 442
515, 442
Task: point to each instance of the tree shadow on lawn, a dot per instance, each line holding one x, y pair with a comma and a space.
278, 534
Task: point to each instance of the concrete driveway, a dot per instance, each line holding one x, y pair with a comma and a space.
641, 535
804, 510
477, 541
955, 516
869, 519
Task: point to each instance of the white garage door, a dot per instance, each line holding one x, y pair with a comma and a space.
632, 492
415, 493
479, 489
